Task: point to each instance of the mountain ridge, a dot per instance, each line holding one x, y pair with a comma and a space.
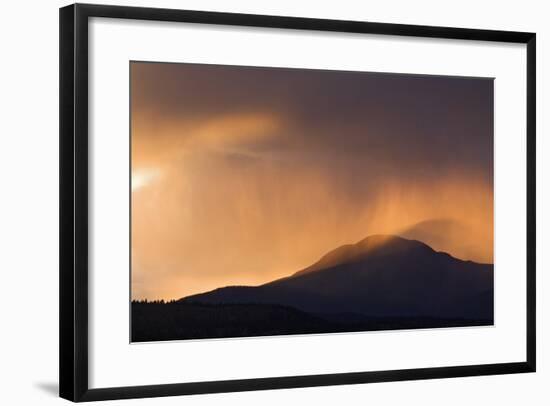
379, 276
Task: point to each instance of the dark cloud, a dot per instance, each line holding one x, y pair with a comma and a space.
338, 114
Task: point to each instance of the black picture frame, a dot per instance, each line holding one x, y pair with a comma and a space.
73, 254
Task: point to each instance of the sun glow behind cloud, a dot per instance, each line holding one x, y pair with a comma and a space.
143, 177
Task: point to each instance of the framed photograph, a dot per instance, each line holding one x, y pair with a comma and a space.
257, 202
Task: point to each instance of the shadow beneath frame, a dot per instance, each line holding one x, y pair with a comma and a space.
51, 388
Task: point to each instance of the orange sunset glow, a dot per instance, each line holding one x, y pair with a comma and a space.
240, 176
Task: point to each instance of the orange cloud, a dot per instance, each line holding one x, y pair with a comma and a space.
244, 175
211, 222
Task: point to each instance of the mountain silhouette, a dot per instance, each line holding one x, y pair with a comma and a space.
381, 276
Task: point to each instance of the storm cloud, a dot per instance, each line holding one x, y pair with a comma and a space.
246, 174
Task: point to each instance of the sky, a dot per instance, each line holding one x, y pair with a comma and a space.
241, 175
